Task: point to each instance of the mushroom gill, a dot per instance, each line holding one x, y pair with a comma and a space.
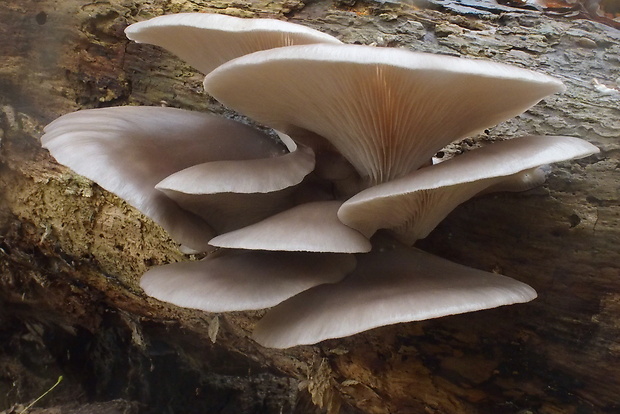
414, 204
387, 111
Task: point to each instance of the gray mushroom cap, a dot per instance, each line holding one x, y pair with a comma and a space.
414, 204
309, 227
392, 284
233, 280
128, 150
386, 110
206, 41
263, 175
236, 193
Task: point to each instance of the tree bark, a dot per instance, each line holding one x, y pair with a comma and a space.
71, 254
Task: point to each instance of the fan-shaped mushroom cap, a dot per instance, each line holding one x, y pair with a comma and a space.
234, 194
226, 212
386, 110
128, 150
414, 204
310, 227
206, 41
243, 280
391, 284
263, 175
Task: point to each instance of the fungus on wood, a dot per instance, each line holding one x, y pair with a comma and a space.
386, 110
413, 205
378, 113
207, 41
238, 280
129, 150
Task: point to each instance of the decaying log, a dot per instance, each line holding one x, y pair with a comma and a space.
71, 254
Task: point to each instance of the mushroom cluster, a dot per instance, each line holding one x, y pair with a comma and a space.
318, 222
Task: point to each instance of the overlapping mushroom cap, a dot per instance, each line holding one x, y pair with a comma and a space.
359, 120
392, 284
206, 41
387, 111
236, 280
414, 204
129, 150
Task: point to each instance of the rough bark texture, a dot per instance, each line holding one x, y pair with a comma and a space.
71, 254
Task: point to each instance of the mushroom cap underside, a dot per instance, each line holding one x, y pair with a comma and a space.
128, 150
414, 204
392, 284
386, 110
206, 40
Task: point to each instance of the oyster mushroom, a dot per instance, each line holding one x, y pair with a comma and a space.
393, 283
237, 280
221, 191
129, 150
414, 204
373, 117
309, 227
387, 111
206, 41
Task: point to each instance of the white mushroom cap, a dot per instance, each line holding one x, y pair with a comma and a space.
128, 150
310, 227
414, 204
263, 175
243, 280
391, 284
206, 41
386, 110
233, 194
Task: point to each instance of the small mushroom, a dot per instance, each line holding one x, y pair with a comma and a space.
414, 204
309, 227
236, 280
386, 110
263, 175
391, 284
206, 41
128, 150
221, 191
